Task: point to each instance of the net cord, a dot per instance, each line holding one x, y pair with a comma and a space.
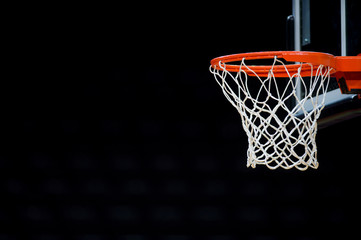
272, 142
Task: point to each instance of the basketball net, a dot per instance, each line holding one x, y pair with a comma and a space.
281, 131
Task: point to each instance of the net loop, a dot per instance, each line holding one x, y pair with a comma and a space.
281, 131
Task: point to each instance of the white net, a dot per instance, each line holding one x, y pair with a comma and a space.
281, 131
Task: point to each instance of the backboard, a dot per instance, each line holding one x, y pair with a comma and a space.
333, 27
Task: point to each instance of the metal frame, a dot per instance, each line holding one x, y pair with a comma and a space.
333, 97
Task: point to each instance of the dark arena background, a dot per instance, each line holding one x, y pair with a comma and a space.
113, 128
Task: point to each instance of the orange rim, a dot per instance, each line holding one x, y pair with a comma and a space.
315, 58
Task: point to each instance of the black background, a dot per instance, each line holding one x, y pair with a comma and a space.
171, 162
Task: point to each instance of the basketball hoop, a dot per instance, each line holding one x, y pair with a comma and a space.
277, 135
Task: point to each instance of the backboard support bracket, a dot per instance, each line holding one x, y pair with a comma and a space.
343, 103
